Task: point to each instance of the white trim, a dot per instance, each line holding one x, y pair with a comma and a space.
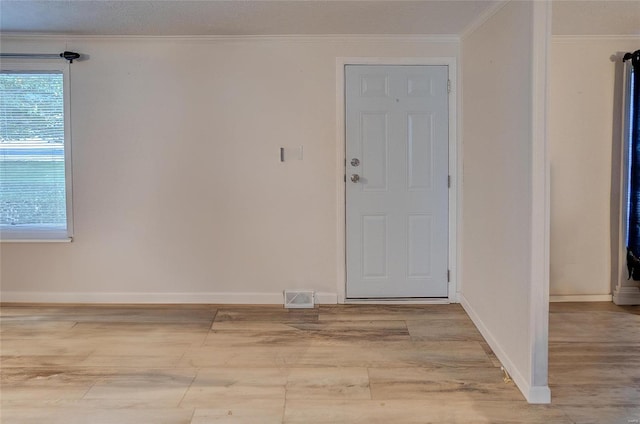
431, 38
454, 170
580, 298
409, 301
63, 239
539, 395
271, 298
540, 206
533, 394
626, 295
323, 298
459, 271
482, 18
32, 234
341, 193
455, 173
570, 38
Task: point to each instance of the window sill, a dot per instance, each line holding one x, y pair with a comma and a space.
33, 234
36, 240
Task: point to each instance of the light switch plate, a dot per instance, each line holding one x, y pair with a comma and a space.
291, 153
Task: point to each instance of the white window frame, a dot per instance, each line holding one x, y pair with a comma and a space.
47, 234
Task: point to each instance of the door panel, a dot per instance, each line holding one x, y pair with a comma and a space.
420, 154
374, 148
374, 247
397, 211
419, 257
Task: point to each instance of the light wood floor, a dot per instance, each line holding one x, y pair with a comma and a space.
332, 364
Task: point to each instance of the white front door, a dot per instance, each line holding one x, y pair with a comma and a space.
397, 146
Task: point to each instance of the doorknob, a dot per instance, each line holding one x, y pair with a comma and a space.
355, 162
355, 178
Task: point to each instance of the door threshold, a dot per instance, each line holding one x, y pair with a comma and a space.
399, 301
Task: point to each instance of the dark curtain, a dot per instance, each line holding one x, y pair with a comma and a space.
633, 123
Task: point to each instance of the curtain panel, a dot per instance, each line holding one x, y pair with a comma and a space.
632, 146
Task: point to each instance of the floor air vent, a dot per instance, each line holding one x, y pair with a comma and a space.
298, 299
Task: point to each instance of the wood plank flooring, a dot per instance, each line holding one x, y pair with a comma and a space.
332, 364
594, 361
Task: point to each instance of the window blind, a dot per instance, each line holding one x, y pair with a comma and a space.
32, 151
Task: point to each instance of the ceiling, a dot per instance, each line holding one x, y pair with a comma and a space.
304, 17
239, 17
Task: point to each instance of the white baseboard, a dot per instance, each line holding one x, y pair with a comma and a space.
396, 301
626, 295
324, 298
581, 298
533, 394
160, 298
539, 395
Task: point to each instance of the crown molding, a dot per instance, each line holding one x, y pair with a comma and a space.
432, 38
482, 18
611, 37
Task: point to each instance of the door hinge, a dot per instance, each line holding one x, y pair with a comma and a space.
448, 86
448, 276
345, 178
449, 181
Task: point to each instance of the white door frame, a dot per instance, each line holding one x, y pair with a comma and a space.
454, 171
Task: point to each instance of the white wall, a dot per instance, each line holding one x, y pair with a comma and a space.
499, 256
584, 142
179, 194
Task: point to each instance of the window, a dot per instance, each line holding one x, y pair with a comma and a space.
35, 174
631, 124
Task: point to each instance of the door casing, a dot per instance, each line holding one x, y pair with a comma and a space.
455, 169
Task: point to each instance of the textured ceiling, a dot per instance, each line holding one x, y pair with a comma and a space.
239, 17
596, 17
273, 17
